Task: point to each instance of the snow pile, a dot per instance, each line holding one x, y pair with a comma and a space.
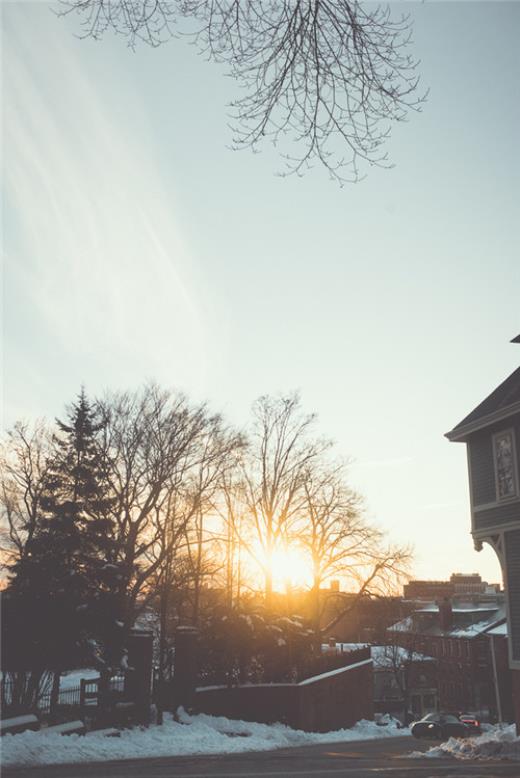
199, 734
497, 743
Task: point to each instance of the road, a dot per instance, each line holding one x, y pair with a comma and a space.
384, 758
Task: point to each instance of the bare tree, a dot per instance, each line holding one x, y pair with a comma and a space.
282, 448
24, 465
200, 494
322, 79
152, 441
231, 509
341, 541
185, 537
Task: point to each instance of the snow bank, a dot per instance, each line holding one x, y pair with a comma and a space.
497, 743
199, 734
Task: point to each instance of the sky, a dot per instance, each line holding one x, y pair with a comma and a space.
138, 246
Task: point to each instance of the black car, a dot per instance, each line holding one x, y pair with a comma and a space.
439, 726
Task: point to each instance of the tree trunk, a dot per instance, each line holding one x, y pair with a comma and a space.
197, 584
229, 565
268, 589
55, 692
162, 649
315, 607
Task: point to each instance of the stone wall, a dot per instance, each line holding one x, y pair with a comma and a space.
324, 702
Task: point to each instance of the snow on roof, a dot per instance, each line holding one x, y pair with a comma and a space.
342, 648
337, 671
494, 617
501, 629
469, 608
395, 656
402, 626
383, 656
470, 631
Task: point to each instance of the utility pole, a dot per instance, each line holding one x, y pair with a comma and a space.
495, 679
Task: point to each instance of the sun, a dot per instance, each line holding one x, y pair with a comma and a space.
290, 568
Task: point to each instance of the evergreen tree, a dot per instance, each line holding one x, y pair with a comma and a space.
70, 574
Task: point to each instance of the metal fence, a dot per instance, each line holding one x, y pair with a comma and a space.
85, 693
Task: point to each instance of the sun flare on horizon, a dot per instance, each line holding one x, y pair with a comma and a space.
290, 567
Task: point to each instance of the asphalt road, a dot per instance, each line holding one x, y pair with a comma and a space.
363, 759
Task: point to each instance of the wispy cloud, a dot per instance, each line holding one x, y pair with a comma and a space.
95, 258
441, 506
381, 463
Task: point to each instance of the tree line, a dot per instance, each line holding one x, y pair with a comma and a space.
144, 500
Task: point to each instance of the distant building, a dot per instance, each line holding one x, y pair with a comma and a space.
405, 682
468, 658
352, 619
459, 583
428, 590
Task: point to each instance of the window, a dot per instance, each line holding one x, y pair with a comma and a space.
448, 719
504, 452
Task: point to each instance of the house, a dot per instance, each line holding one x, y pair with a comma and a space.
405, 681
491, 433
469, 664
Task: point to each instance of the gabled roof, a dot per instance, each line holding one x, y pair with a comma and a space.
501, 403
490, 619
501, 629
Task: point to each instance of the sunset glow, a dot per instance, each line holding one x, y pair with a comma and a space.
290, 568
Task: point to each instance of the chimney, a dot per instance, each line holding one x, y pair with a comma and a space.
445, 614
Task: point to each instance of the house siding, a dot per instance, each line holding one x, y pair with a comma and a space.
482, 470
512, 551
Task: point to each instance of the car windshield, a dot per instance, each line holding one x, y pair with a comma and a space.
431, 717
450, 720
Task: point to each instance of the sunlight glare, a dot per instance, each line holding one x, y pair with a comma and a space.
290, 568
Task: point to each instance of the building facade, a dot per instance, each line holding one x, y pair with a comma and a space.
469, 665
491, 433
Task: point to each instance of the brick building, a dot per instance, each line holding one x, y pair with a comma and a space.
405, 681
428, 590
468, 657
459, 583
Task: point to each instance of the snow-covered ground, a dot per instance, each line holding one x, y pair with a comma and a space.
497, 743
199, 734
72, 678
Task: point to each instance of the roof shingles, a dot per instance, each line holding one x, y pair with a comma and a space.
503, 397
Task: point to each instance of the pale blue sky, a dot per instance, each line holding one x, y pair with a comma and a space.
138, 246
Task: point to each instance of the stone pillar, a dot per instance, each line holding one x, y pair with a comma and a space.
185, 667
138, 679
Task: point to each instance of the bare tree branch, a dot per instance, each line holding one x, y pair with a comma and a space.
323, 80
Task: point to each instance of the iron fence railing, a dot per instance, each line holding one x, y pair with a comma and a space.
85, 693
